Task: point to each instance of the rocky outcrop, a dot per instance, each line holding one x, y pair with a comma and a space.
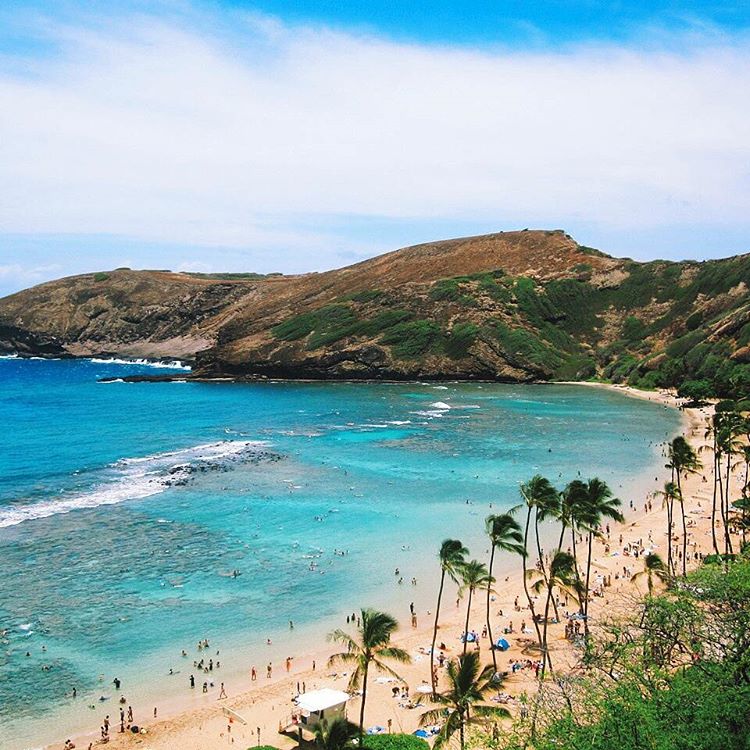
511, 306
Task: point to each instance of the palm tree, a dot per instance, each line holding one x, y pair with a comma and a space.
335, 735
474, 575
372, 646
572, 513
451, 557
653, 567
725, 429
683, 460
530, 493
562, 575
599, 505
465, 700
505, 535
670, 495
541, 495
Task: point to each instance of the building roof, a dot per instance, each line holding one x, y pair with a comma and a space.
319, 700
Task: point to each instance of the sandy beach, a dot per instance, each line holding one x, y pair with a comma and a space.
200, 722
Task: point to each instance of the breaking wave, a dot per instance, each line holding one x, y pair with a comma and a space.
140, 477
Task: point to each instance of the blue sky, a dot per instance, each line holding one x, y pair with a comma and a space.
296, 136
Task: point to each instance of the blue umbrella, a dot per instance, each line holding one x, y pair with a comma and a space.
502, 644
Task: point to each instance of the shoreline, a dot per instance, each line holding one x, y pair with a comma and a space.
196, 721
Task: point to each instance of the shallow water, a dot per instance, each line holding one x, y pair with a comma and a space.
125, 508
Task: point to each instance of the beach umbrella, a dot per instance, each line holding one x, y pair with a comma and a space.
502, 644
421, 733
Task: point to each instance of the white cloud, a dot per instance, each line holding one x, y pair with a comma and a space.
175, 132
15, 273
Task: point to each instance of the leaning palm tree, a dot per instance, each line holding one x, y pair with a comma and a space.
451, 557
474, 575
465, 700
572, 515
369, 649
683, 460
653, 567
670, 495
530, 493
335, 735
561, 575
505, 535
599, 505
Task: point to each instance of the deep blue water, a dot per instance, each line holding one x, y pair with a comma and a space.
124, 509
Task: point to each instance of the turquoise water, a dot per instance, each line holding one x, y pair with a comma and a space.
125, 508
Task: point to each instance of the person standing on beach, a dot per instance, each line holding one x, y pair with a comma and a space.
253, 673
192, 681
268, 671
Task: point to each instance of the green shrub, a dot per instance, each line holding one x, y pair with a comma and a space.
382, 322
334, 322
368, 295
395, 742
295, 328
460, 339
450, 290
412, 339
524, 348
695, 390
101, 276
633, 329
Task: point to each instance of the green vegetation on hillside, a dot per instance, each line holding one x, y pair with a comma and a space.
658, 324
674, 675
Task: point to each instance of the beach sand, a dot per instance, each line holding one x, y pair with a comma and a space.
198, 722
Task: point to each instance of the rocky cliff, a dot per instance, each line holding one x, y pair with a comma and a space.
514, 306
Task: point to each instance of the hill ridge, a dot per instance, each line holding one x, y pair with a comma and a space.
528, 305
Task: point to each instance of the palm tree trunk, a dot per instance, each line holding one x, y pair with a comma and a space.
670, 561
684, 527
730, 550
684, 538
586, 591
713, 501
434, 632
541, 557
526, 583
546, 658
466, 628
721, 510
362, 707
489, 624
461, 732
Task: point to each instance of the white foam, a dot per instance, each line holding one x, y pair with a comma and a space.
441, 405
171, 365
9, 356
136, 478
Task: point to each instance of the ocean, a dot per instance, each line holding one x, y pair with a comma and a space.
138, 518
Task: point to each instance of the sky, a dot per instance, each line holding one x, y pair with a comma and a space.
298, 136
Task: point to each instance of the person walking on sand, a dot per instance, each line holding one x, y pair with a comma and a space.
268, 671
222, 692
192, 681
253, 673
